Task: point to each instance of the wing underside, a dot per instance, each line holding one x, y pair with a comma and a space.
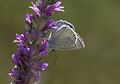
65, 38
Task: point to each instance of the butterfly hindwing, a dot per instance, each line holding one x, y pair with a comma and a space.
66, 40
62, 39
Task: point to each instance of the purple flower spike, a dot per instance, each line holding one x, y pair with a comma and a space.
35, 9
55, 7
33, 45
29, 18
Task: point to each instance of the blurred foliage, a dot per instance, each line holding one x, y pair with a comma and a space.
97, 21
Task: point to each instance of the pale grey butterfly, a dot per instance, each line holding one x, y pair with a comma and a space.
65, 37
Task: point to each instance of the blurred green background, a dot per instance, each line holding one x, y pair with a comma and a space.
98, 23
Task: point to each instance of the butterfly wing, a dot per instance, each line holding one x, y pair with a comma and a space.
61, 23
65, 38
79, 42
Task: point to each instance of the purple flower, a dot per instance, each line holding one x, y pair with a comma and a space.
39, 65
29, 18
18, 74
43, 66
14, 72
44, 47
20, 39
16, 58
35, 9
50, 24
36, 74
22, 56
55, 7
40, 10
41, 6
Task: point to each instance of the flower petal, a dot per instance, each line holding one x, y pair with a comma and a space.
29, 18
55, 7
35, 9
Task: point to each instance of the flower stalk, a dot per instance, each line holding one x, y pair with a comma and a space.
33, 42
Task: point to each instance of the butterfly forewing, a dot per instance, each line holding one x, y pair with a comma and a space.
65, 23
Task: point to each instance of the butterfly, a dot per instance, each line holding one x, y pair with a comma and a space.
65, 37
